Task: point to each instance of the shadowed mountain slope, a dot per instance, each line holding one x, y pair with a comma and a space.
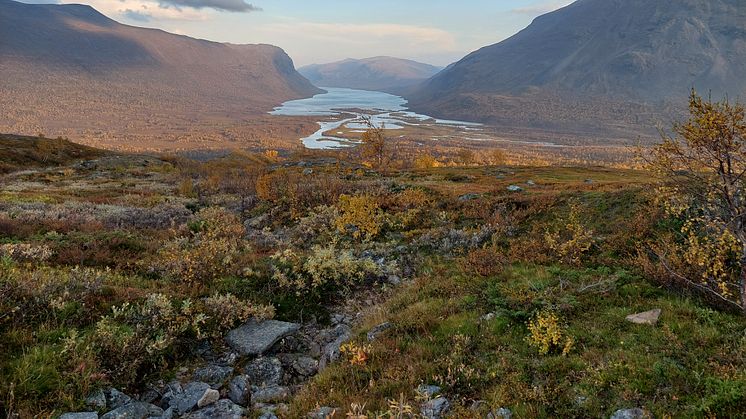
376, 73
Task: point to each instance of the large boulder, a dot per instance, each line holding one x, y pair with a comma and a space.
215, 375
255, 338
184, 399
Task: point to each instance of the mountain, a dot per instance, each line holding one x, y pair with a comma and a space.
70, 69
598, 65
376, 73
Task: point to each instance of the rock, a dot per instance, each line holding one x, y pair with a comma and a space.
435, 408
149, 396
514, 188
210, 397
428, 390
468, 197
501, 413
167, 414
255, 338
268, 415
269, 394
324, 412
376, 331
630, 414
487, 317
331, 352
96, 400
264, 371
134, 410
393, 279
307, 171
305, 366
530, 183
222, 409
215, 375
588, 181
184, 399
115, 398
79, 415
647, 317
239, 390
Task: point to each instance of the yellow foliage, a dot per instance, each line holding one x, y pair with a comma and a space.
547, 334
573, 240
355, 354
359, 215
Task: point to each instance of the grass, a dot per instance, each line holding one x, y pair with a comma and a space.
691, 364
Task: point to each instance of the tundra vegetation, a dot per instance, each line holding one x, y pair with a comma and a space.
115, 267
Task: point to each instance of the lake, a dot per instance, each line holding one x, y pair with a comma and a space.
345, 108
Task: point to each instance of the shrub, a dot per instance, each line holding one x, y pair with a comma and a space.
548, 335
209, 252
360, 216
487, 261
325, 268
573, 240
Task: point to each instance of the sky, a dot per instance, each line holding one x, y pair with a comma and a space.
437, 32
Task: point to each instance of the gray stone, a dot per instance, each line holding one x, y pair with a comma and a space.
222, 409
324, 412
393, 279
255, 338
115, 398
264, 371
487, 317
149, 396
514, 188
435, 408
376, 331
428, 390
96, 400
269, 394
630, 414
167, 414
184, 399
239, 390
306, 366
307, 171
210, 397
501, 413
268, 415
214, 375
134, 410
530, 183
647, 317
331, 353
468, 197
79, 415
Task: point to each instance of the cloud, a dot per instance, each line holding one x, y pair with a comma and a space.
136, 15
542, 8
223, 5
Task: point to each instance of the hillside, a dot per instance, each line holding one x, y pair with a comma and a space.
69, 70
19, 152
597, 66
376, 73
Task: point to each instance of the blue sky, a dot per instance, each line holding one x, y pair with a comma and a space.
316, 31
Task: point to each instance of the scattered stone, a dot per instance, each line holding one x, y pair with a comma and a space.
167, 414
501, 413
255, 338
331, 352
268, 415
149, 396
435, 408
588, 181
228, 359
647, 317
468, 197
477, 404
239, 390
324, 412
376, 331
514, 188
115, 398
79, 415
393, 279
428, 390
215, 375
185, 399
134, 410
530, 183
307, 171
306, 366
269, 394
210, 397
222, 409
264, 371
636, 413
96, 400
487, 317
